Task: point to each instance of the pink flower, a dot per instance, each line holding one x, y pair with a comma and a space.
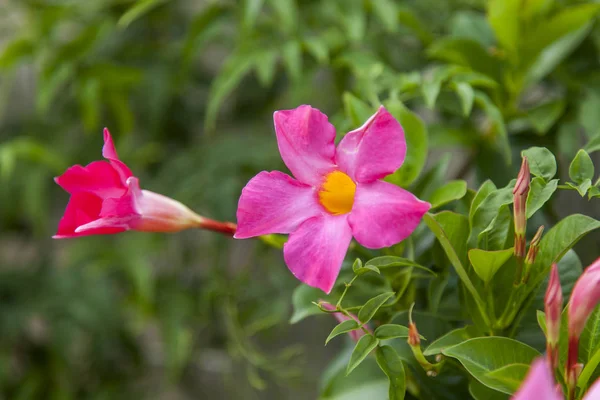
355, 334
584, 298
106, 198
553, 305
337, 194
539, 383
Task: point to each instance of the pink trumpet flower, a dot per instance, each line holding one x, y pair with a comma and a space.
340, 317
106, 198
584, 299
540, 384
337, 194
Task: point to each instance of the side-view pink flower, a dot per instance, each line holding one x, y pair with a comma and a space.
337, 194
106, 198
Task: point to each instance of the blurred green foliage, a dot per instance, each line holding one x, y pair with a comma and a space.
188, 89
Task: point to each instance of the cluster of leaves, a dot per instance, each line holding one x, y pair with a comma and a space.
485, 79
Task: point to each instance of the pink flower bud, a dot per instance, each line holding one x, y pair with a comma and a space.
341, 317
414, 338
106, 198
584, 298
520, 202
553, 303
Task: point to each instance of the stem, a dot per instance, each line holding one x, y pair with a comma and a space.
227, 228
338, 305
589, 369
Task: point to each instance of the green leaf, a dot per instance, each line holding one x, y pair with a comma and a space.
370, 308
581, 167
487, 357
362, 349
503, 17
358, 268
417, 141
450, 339
486, 263
498, 128
582, 188
511, 375
432, 83
302, 302
292, 59
391, 331
391, 364
541, 162
482, 392
394, 262
318, 48
497, 234
485, 189
562, 237
387, 12
594, 144
467, 53
287, 14
357, 110
138, 10
488, 210
472, 25
265, 65
251, 10
544, 116
451, 191
343, 327
466, 94
15, 51
539, 193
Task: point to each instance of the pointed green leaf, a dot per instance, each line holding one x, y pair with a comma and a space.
362, 349
453, 190
370, 308
466, 95
450, 339
391, 331
395, 262
581, 168
539, 193
343, 327
486, 263
391, 364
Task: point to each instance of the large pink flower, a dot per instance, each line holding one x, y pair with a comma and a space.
337, 193
106, 198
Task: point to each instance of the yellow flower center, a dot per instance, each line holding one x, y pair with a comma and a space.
337, 193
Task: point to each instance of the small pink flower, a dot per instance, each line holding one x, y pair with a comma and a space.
337, 193
539, 383
355, 334
584, 298
106, 198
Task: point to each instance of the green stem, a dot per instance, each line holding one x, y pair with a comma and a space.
339, 303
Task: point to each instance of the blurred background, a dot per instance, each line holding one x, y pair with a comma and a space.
188, 88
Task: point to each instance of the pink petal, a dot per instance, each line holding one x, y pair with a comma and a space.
110, 153
273, 202
82, 209
99, 178
306, 143
539, 383
594, 392
384, 214
374, 150
315, 252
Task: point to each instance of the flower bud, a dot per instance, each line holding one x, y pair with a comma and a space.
413, 335
584, 298
520, 193
534, 247
553, 303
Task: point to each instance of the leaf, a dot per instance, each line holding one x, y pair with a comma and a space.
138, 10
467, 53
287, 14
581, 168
582, 188
496, 235
498, 131
15, 51
562, 237
485, 355
594, 144
488, 210
343, 327
485, 189
358, 268
362, 349
511, 375
541, 162
391, 364
432, 83
472, 25
234, 69
302, 302
292, 59
318, 48
357, 110
486, 263
265, 65
370, 308
251, 10
387, 12
417, 141
539, 193
544, 116
482, 392
502, 17
450, 339
466, 95
453, 190
393, 262
391, 331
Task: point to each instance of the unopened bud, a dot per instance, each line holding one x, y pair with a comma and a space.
553, 303
520, 192
534, 246
413, 335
